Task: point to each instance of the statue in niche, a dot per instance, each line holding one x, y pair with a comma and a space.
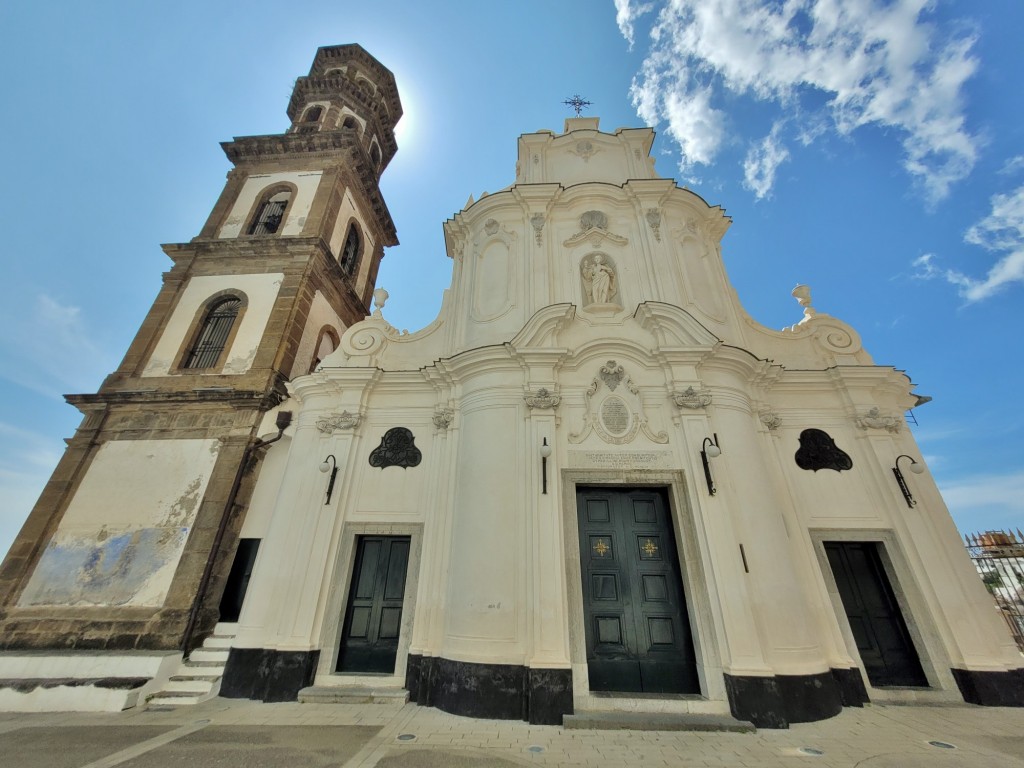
598, 279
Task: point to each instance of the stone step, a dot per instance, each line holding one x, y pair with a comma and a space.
198, 687
205, 654
174, 699
207, 673
204, 665
653, 721
218, 641
225, 629
352, 694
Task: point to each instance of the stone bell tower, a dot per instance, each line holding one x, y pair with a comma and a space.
131, 542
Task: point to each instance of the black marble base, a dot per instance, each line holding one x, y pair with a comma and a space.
775, 702
851, 687
496, 691
991, 689
267, 675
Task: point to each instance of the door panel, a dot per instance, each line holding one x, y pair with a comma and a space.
636, 623
885, 646
373, 618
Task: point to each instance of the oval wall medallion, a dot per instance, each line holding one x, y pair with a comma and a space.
615, 415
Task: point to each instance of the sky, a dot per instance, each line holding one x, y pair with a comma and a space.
872, 149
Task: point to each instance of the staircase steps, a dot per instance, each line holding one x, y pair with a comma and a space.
198, 677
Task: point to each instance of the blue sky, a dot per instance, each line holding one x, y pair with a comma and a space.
873, 149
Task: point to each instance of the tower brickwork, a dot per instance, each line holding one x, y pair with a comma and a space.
130, 543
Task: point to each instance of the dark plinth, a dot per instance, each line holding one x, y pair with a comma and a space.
497, 691
775, 702
851, 687
265, 674
991, 689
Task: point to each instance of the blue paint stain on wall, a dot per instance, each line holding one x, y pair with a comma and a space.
111, 570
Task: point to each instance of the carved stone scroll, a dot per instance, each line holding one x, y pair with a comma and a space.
340, 421
692, 398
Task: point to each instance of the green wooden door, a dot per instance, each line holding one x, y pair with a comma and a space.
373, 618
636, 622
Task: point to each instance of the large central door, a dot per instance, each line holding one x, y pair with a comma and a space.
885, 646
373, 618
636, 623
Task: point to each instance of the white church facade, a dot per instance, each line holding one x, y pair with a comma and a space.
593, 482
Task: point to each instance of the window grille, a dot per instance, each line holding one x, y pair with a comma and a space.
350, 252
213, 334
268, 220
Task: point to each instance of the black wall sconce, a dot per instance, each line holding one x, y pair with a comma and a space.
545, 452
330, 464
916, 468
709, 448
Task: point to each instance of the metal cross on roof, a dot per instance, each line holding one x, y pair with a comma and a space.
577, 102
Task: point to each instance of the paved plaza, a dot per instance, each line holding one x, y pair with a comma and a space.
224, 733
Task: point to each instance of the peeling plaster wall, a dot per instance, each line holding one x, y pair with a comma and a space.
122, 536
261, 291
298, 209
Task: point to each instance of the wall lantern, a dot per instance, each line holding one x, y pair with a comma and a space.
916, 468
545, 452
709, 448
330, 464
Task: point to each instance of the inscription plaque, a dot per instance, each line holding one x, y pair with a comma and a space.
615, 415
623, 460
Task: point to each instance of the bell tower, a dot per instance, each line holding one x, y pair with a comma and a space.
130, 544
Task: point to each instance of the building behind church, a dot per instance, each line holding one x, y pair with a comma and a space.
593, 482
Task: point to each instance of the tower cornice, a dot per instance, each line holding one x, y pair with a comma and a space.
335, 147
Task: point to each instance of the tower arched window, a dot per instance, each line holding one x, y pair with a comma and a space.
375, 156
213, 333
349, 123
270, 214
326, 343
312, 114
350, 251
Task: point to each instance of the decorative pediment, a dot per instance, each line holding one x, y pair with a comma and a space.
594, 230
614, 409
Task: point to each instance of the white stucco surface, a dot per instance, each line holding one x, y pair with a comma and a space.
306, 184
260, 292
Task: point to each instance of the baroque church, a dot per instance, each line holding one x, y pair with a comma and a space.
593, 482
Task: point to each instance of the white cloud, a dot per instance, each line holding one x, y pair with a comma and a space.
763, 159
1002, 232
877, 63
626, 13
49, 346
1013, 165
1001, 492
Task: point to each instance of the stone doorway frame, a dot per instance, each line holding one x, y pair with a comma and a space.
695, 587
913, 606
337, 600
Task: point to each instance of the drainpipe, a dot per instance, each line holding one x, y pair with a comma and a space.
284, 418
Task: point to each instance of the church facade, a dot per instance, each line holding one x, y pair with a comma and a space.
593, 482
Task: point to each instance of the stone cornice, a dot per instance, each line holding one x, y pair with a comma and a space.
335, 146
238, 398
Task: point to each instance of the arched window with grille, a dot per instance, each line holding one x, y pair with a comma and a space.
270, 214
213, 333
350, 251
